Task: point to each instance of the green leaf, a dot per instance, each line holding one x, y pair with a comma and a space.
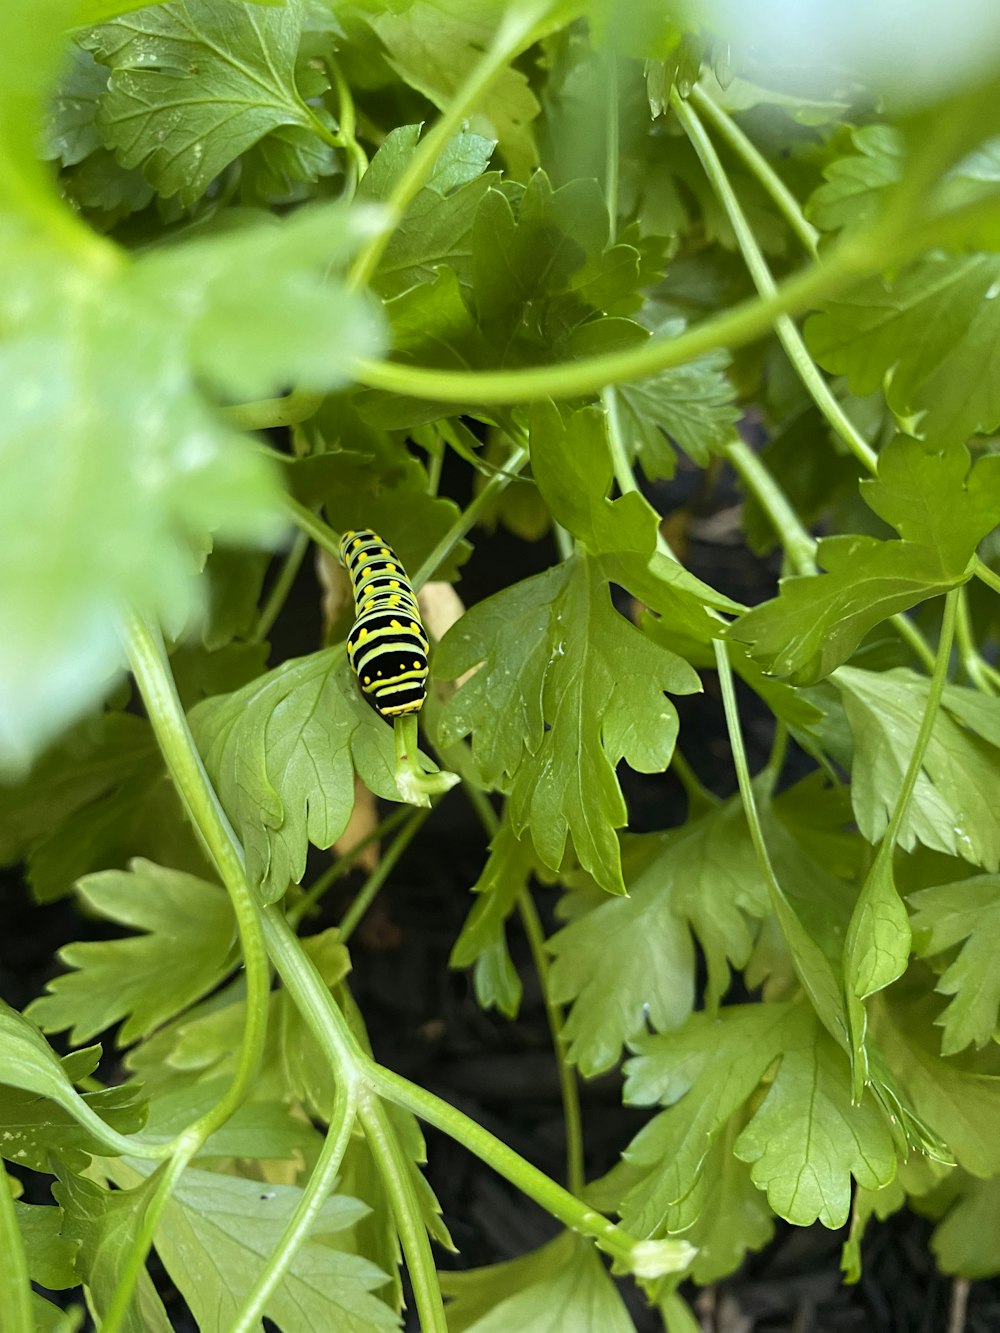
630, 962
49, 1253
967, 912
432, 44
852, 193
691, 408
966, 1243
804, 1140
934, 328
104, 1225
958, 1098
561, 1288
282, 753
876, 951
38, 1133
951, 809
935, 498
217, 1232
144, 979
195, 84
482, 943
436, 228
817, 621
557, 655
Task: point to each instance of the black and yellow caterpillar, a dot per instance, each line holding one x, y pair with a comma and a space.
387, 646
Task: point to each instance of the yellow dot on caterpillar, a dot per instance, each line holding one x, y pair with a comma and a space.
368, 680
384, 551
394, 601
393, 583
395, 624
415, 627
391, 569
363, 634
416, 666
356, 543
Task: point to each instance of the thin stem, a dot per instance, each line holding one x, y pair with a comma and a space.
612, 148
514, 31
983, 572
754, 160
15, 1283
395, 1171
342, 864
372, 885
281, 587
697, 793
347, 121
313, 526
465, 521
788, 334
323, 131
776, 759
480, 803
317, 1191
569, 1091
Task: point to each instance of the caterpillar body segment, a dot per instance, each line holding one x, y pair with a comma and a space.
387, 647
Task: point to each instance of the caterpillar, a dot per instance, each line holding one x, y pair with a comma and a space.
387, 647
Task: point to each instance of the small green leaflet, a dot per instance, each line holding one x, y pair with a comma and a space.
436, 229
966, 1242
804, 1140
561, 1288
953, 809
966, 913
143, 979
282, 753
482, 943
49, 1254
568, 689
935, 328
630, 961
194, 84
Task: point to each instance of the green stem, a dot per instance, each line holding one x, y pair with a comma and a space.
570, 1092
395, 1171
789, 336
317, 1191
795, 540
342, 864
347, 121
323, 131
975, 667
496, 484
329, 1026
513, 33
699, 797
15, 1284
612, 148
313, 526
758, 165
983, 572
380, 874
281, 587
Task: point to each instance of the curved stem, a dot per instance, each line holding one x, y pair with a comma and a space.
312, 525
569, 1091
699, 797
15, 1284
315, 1194
395, 1172
758, 165
983, 572
369, 890
789, 336
342, 864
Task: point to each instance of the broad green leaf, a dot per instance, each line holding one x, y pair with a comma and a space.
934, 497
851, 195
952, 809
561, 1288
569, 688
195, 84
966, 913
49, 1253
218, 1231
571, 462
144, 979
958, 1098
28, 1062
38, 1133
805, 1140
482, 943
630, 962
817, 621
436, 229
104, 1224
282, 753
433, 46
691, 408
935, 329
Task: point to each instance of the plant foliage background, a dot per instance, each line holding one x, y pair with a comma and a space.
269, 269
